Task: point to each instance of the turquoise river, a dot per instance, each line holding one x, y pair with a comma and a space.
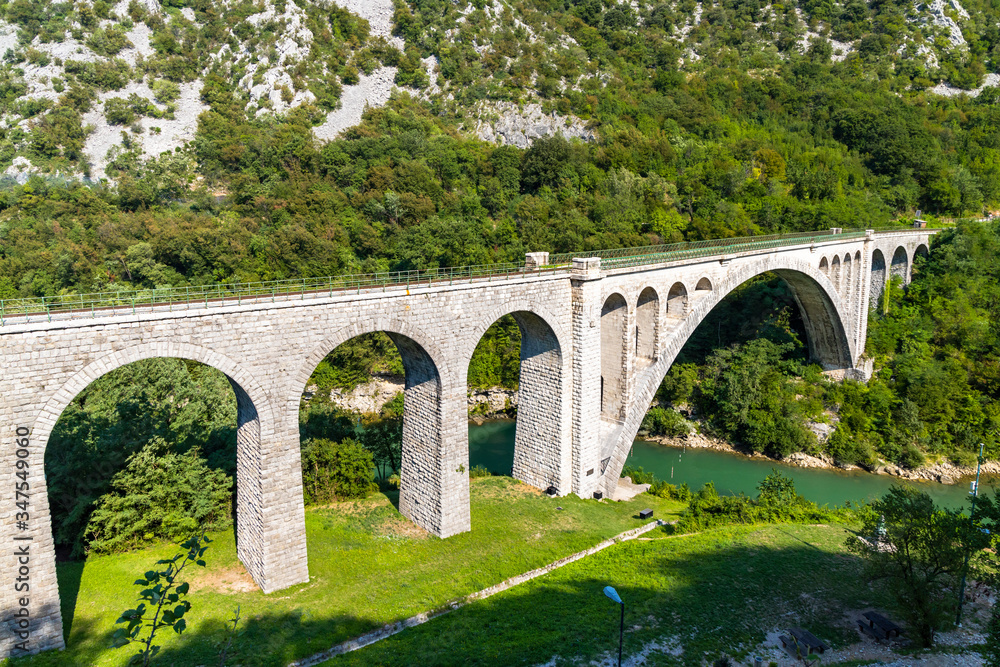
491, 445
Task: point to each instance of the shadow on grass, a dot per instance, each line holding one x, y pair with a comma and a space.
68, 575
392, 495
707, 594
705, 604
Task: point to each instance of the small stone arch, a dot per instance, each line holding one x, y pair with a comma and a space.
900, 267
614, 351
919, 257
847, 287
823, 313
835, 273
856, 288
824, 266
878, 278
647, 320
677, 301
703, 284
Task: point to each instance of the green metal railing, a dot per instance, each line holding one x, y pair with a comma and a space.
628, 257
103, 304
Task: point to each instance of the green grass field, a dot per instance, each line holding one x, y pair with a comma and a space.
368, 566
698, 597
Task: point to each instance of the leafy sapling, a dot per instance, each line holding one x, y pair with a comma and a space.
230, 635
161, 605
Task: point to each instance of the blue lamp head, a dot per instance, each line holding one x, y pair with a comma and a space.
613, 594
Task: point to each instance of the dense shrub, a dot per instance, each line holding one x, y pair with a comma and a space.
336, 470
776, 502
160, 495
666, 422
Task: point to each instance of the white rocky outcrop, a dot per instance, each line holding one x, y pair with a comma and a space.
946, 90
20, 170
378, 13
370, 397
938, 13
371, 91
173, 133
507, 124
493, 400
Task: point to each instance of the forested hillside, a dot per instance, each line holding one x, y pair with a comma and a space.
685, 120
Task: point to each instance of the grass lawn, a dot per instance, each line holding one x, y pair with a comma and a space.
697, 597
368, 566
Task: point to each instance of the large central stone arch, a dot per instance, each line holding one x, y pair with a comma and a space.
823, 314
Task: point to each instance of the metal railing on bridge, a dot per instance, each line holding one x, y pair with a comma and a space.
104, 304
628, 257
130, 302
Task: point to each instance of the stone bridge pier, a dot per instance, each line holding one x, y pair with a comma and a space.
598, 335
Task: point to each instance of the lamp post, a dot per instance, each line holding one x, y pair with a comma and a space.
613, 594
968, 551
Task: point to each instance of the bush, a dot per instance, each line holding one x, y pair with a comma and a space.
160, 495
992, 654
657, 488
912, 457
118, 111
479, 471
666, 422
336, 470
777, 502
165, 91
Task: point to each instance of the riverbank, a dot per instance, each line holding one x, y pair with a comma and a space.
943, 471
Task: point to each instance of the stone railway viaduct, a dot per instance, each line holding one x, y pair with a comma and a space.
598, 335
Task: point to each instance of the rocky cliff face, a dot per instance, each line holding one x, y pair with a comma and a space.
370, 397
507, 124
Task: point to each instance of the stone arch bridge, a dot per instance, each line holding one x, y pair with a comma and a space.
598, 335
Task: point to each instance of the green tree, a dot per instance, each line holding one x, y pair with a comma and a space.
918, 550
159, 495
336, 470
384, 439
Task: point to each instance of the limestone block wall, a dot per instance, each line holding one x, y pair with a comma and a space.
586, 303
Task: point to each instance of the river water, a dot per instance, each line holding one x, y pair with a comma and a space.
492, 445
